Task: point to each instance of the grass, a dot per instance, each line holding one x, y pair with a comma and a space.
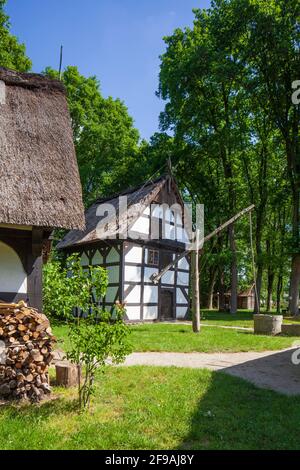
243, 318
180, 338
157, 408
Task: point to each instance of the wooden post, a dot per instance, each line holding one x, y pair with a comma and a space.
60, 62
195, 287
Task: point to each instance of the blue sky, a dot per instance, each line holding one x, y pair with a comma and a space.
119, 41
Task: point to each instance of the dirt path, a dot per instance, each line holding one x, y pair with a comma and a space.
269, 369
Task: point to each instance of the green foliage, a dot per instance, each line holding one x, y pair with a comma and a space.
104, 136
153, 408
227, 87
70, 286
12, 53
94, 336
95, 340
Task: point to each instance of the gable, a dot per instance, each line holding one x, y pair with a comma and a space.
130, 215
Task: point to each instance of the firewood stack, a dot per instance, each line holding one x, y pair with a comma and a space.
25, 353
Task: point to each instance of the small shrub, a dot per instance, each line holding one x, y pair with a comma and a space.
96, 336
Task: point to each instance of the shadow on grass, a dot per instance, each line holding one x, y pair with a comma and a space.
225, 316
54, 406
234, 414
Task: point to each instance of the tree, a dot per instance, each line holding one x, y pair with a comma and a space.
12, 53
219, 106
267, 38
205, 109
74, 294
105, 139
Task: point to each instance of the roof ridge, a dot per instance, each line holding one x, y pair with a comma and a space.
30, 80
131, 190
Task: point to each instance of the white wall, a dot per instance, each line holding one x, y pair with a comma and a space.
13, 277
181, 311
134, 255
132, 274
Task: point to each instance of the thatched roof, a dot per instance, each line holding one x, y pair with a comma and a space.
137, 200
39, 179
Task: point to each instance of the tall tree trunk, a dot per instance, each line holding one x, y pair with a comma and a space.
295, 269
293, 157
259, 275
233, 271
195, 291
271, 274
211, 286
222, 292
259, 263
278, 292
294, 285
270, 290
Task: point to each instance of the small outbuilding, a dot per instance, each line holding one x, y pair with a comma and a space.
245, 299
39, 180
134, 235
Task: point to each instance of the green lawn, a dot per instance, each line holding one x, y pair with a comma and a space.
180, 338
242, 318
157, 408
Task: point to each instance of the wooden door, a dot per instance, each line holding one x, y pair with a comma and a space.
166, 304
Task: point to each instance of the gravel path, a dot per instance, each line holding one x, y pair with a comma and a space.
269, 369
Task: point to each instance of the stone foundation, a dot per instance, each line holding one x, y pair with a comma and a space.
267, 324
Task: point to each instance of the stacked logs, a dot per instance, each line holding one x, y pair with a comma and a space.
25, 352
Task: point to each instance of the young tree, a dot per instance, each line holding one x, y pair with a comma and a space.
75, 294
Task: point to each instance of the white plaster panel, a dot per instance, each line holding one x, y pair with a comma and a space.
168, 278
147, 211
134, 296
180, 298
13, 277
169, 231
134, 255
150, 294
132, 274
183, 264
182, 279
148, 273
157, 211
150, 312
133, 313
181, 311
141, 225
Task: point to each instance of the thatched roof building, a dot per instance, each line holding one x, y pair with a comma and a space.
39, 179
137, 200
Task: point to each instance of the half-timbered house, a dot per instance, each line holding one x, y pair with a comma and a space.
39, 180
134, 235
